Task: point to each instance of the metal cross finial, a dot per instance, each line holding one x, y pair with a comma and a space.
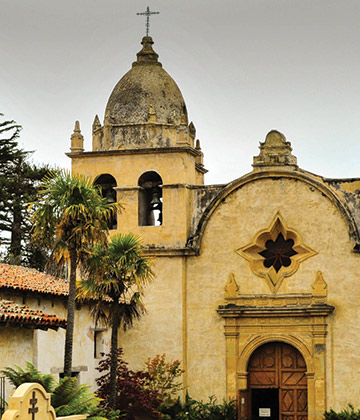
147, 14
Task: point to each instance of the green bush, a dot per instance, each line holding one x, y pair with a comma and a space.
67, 396
18, 376
191, 409
349, 413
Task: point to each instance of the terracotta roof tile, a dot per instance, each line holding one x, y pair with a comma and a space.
28, 279
11, 312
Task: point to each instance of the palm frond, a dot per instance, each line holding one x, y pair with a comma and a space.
116, 274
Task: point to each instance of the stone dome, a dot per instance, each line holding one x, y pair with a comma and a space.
146, 93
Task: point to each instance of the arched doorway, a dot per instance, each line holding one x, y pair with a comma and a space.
277, 382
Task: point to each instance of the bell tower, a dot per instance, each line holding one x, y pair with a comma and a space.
145, 154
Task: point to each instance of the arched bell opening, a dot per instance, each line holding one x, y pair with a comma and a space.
150, 201
107, 183
277, 383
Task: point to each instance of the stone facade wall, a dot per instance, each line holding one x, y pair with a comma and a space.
160, 330
45, 349
233, 225
16, 347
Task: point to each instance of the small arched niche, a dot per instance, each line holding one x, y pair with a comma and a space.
107, 183
150, 204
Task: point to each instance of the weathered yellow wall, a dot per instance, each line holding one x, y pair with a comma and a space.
176, 170
16, 347
234, 224
160, 329
46, 348
126, 169
83, 349
182, 320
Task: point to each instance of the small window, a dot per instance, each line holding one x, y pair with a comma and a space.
150, 205
278, 253
99, 343
73, 375
107, 183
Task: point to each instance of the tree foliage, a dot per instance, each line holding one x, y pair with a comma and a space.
9, 133
19, 184
117, 272
133, 396
18, 376
164, 377
150, 393
70, 216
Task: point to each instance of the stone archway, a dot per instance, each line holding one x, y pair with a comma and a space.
277, 383
298, 321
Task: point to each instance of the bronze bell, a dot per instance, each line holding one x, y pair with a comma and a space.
155, 202
110, 197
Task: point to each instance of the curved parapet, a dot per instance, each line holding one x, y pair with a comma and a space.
314, 182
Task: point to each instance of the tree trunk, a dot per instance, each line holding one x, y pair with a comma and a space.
114, 355
70, 316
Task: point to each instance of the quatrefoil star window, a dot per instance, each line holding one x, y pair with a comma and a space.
276, 253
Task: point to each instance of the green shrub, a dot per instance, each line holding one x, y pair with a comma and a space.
18, 376
349, 413
67, 396
191, 409
163, 376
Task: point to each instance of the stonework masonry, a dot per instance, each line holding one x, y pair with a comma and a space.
215, 300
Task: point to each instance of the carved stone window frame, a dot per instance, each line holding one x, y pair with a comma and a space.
251, 252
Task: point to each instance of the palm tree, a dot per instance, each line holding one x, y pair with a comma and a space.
115, 276
70, 216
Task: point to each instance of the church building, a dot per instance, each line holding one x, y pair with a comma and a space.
255, 287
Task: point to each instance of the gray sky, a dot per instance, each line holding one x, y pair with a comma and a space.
244, 67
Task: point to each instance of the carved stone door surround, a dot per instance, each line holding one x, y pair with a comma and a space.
298, 319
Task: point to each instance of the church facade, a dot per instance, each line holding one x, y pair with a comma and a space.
256, 280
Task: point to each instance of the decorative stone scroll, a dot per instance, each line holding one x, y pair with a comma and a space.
31, 402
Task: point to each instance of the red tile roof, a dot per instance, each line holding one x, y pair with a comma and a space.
14, 314
28, 279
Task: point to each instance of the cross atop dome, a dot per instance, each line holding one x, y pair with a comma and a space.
147, 13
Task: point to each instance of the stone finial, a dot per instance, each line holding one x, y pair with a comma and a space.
96, 124
152, 114
197, 147
275, 152
319, 286
192, 130
77, 139
147, 55
231, 288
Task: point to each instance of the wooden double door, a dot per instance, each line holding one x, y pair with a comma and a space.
277, 383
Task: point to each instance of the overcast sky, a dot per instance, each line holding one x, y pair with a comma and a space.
244, 67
